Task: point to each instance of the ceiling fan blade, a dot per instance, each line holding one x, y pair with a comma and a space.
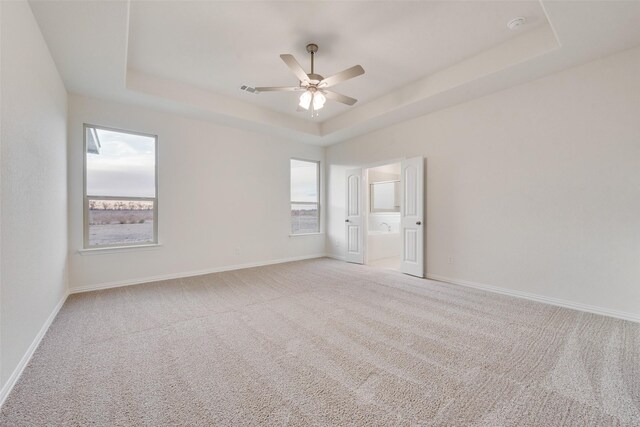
347, 74
295, 67
279, 89
334, 96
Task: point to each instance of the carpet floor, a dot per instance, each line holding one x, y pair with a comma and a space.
323, 342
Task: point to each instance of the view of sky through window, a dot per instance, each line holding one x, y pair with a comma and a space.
304, 181
124, 166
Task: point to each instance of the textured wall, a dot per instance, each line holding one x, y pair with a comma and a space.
535, 189
33, 271
223, 197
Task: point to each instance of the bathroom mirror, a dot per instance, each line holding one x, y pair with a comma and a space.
385, 196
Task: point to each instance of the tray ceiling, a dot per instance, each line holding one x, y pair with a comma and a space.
191, 57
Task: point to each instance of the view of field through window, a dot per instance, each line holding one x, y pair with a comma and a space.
305, 197
120, 188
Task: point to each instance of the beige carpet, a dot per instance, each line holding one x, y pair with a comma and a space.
323, 343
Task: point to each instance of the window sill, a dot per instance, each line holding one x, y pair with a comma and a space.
306, 234
116, 249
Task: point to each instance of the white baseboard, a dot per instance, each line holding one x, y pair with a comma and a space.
539, 298
335, 256
15, 375
141, 280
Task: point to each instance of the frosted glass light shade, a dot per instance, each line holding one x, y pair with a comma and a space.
305, 100
318, 101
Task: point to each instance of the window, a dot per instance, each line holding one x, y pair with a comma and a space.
305, 196
120, 194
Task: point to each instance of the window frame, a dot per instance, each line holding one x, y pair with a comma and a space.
319, 189
85, 196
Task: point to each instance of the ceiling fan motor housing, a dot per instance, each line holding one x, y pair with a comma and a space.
315, 78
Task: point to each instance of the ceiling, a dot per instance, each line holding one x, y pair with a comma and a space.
191, 57
222, 45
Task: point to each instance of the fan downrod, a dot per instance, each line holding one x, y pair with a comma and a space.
314, 78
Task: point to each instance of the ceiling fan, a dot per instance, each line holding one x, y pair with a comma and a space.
314, 86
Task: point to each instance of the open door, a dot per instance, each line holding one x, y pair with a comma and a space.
354, 218
412, 216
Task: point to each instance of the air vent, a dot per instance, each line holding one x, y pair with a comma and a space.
249, 89
516, 23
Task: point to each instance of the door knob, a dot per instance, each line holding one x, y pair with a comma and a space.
346, 220
418, 222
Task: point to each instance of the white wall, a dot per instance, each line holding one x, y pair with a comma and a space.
535, 189
33, 219
223, 197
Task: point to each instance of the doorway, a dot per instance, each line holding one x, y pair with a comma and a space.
382, 194
375, 226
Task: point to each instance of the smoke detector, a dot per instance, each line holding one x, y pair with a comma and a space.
516, 23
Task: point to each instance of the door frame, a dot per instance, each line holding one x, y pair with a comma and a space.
365, 223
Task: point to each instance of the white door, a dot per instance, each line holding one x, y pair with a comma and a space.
412, 216
354, 217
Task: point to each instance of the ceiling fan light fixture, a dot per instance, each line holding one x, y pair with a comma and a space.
305, 100
318, 100
313, 86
